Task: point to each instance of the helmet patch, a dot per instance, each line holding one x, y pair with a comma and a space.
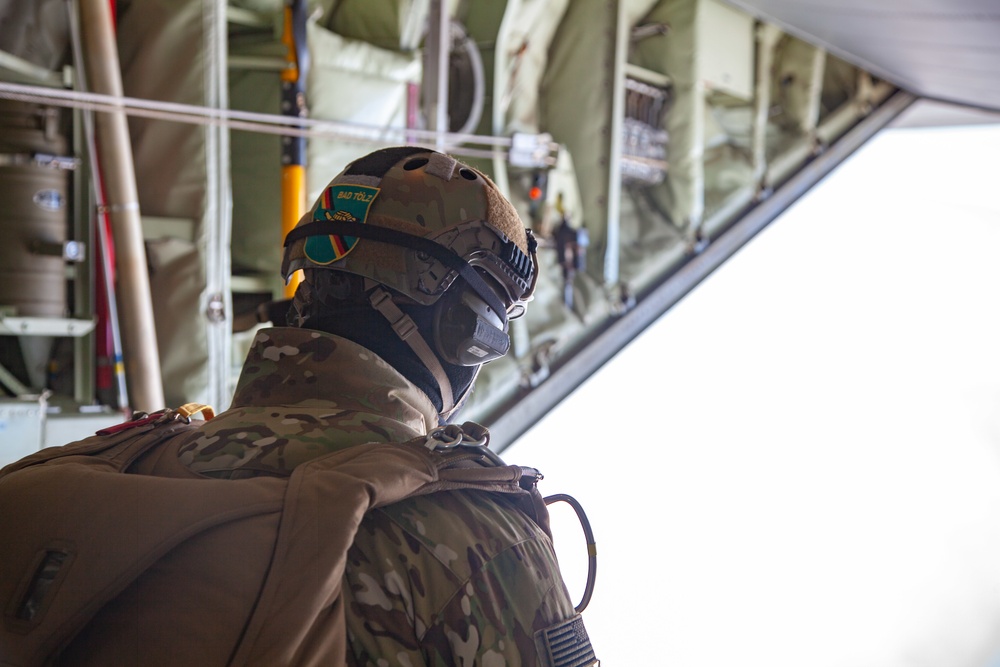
339, 203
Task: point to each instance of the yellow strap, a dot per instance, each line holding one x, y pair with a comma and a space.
189, 409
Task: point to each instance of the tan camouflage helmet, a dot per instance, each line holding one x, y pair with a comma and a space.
428, 196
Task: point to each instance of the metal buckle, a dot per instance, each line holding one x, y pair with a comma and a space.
451, 436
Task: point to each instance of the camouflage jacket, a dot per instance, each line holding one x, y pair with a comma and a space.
451, 578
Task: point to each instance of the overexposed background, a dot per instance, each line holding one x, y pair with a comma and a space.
799, 464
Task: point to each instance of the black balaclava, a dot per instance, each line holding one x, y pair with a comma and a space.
334, 302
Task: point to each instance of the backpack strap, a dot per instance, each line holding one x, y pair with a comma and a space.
300, 610
463, 460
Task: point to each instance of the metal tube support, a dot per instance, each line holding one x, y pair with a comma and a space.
85, 275
142, 359
501, 81
97, 224
811, 119
293, 105
436, 72
612, 252
216, 300
9, 380
767, 39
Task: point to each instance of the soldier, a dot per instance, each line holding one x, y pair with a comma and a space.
333, 513
413, 263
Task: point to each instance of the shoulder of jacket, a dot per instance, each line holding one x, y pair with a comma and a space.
120, 443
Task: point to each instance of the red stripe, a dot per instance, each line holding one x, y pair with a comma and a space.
338, 246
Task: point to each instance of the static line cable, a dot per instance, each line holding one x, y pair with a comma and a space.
248, 121
190, 113
588, 532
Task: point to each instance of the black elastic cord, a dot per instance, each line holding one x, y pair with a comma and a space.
588, 532
386, 235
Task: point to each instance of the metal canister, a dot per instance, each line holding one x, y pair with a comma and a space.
34, 187
34, 220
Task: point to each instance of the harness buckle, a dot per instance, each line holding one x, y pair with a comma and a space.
450, 436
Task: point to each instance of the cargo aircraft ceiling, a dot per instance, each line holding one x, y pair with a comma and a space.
945, 50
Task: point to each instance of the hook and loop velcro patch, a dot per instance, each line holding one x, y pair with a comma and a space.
339, 203
566, 644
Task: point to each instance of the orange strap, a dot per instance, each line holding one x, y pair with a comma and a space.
188, 410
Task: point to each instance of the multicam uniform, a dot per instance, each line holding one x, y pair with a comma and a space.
452, 578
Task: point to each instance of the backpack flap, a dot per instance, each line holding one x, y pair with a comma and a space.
64, 554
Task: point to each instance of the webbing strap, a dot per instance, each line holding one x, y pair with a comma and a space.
188, 410
386, 235
406, 329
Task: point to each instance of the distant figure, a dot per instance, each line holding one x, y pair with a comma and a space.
377, 531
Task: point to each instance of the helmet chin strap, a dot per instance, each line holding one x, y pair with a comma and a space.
406, 329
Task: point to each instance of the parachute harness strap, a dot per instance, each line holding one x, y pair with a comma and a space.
591, 545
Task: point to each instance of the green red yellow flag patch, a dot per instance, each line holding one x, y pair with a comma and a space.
339, 203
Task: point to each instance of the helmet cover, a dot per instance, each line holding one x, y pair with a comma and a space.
422, 193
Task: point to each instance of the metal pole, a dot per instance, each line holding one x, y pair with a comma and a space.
436, 72
293, 105
100, 220
142, 359
612, 252
501, 80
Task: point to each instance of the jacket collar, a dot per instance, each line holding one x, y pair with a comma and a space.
289, 366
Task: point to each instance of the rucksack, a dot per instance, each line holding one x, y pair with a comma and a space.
92, 527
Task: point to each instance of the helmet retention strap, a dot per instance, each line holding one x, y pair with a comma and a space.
406, 329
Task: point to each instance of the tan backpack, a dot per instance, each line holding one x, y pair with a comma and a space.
93, 528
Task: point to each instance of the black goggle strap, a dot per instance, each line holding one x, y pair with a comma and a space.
394, 237
406, 329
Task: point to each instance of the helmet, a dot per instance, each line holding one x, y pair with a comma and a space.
422, 228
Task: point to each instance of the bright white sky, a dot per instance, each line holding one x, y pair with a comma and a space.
799, 464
